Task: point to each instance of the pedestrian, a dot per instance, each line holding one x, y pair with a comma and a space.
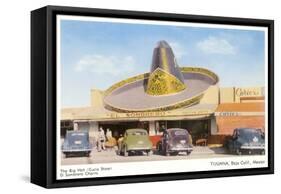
108, 134
101, 139
163, 129
164, 134
119, 143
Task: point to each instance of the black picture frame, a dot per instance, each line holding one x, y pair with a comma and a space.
43, 95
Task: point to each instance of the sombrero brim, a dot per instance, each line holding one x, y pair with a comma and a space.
129, 95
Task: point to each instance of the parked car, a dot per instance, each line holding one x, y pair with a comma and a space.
246, 140
76, 143
135, 141
174, 141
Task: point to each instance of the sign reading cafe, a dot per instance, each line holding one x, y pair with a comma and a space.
249, 92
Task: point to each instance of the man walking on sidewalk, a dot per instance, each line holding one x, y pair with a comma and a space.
101, 139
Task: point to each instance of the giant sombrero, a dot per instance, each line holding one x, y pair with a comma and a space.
166, 87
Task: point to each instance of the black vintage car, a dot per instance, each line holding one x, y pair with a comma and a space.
246, 141
76, 143
173, 141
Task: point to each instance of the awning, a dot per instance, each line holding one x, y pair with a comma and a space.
227, 124
176, 118
241, 108
239, 115
91, 114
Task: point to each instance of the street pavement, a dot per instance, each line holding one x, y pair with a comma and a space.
110, 156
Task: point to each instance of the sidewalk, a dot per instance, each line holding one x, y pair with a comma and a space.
207, 150
197, 150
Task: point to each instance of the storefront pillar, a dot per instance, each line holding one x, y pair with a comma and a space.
214, 127
93, 129
75, 126
152, 128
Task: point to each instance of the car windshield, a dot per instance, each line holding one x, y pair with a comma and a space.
176, 133
77, 138
136, 133
249, 133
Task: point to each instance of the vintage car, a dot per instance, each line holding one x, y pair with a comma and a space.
174, 141
76, 143
135, 141
246, 140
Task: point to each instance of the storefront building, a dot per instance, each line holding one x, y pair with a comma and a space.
239, 108
216, 115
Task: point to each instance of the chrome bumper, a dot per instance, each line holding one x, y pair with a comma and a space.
180, 149
252, 147
77, 150
139, 148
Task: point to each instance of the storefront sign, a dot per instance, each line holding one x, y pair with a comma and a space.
146, 114
158, 114
235, 114
226, 114
249, 92
138, 114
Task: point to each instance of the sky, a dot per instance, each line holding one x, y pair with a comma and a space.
98, 54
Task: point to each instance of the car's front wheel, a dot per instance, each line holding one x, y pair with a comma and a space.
125, 151
238, 151
159, 147
167, 153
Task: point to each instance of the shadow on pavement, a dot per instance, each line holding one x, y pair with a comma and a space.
219, 150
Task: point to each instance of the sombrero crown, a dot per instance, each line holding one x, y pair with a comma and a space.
165, 75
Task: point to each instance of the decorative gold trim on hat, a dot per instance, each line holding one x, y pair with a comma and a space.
162, 83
